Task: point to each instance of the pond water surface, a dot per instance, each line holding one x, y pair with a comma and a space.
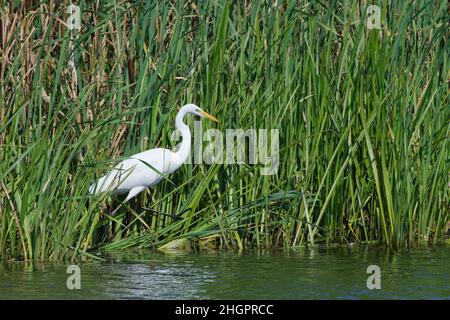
317, 273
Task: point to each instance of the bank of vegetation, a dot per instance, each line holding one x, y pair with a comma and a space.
363, 118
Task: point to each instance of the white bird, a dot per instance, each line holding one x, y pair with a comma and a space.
147, 168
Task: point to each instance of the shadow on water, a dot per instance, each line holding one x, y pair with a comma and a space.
314, 273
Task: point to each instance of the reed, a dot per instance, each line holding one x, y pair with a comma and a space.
363, 118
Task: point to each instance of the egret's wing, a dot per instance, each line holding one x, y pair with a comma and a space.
163, 174
111, 180
142, 169
147, 168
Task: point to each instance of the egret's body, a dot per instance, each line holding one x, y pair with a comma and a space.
147, 168
140, 171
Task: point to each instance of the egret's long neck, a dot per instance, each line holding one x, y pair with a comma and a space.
183, 152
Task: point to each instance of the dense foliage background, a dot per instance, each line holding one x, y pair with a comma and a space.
363, 117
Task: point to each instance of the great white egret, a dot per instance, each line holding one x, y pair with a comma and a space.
147, 168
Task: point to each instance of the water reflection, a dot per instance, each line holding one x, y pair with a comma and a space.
151, 280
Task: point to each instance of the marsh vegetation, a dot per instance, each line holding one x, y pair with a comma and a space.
363, 118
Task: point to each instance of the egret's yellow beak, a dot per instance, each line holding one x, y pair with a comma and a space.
208, 116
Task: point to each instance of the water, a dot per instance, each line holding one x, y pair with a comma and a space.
319, 273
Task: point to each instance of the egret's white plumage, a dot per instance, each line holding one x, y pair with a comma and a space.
147, 168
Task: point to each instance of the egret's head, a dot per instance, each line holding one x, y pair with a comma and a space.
192, 108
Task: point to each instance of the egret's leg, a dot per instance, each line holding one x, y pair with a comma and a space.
115, 210
133, 192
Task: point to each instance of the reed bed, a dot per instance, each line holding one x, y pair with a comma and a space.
363, 118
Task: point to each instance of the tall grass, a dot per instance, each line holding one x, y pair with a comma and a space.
363, 118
